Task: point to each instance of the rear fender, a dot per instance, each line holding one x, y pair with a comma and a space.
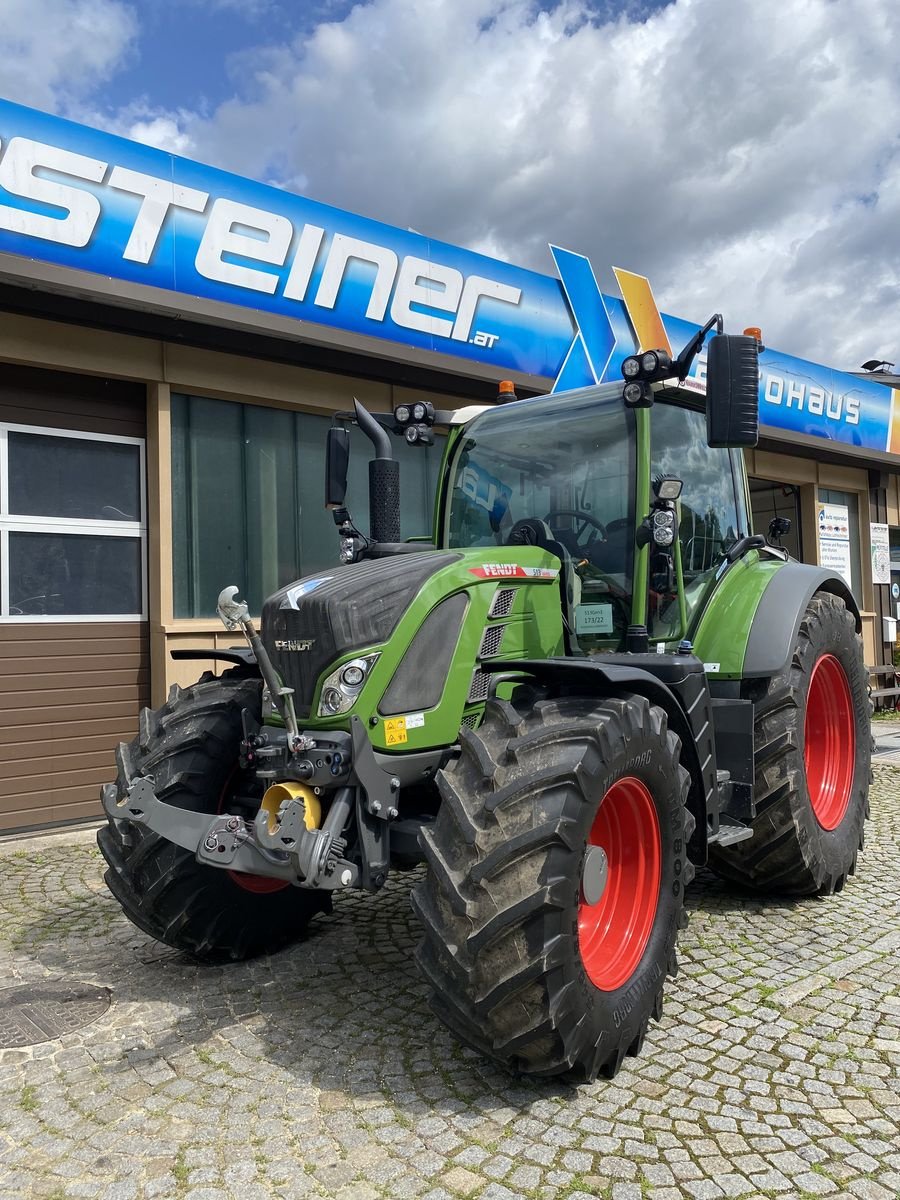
776, 622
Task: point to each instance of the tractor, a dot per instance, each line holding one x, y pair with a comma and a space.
592, 679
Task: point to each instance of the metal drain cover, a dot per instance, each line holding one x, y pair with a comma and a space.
40, 1012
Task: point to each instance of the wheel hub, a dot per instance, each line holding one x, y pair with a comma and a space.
594, 874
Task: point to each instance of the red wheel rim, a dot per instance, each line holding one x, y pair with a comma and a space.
829, 742
259, 885
613, 933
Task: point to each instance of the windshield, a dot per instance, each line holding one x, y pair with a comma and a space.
554, 470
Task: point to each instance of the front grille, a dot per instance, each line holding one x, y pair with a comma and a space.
502, 603
491, 641
470, 720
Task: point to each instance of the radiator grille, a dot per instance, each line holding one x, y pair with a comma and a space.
479, 688
470, 720
491, 641
502, 603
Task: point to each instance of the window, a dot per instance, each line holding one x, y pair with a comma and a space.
712, 515
568, 465
248, 488
72, 525
771, 500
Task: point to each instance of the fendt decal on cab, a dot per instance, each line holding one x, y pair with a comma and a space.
513, 571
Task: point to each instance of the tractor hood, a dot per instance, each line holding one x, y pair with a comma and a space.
310, 623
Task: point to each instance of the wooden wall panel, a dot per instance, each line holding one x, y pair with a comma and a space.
58, 400
68, 694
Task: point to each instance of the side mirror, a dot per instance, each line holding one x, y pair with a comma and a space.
337, 461
732, 390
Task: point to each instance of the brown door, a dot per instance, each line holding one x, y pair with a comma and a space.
73, 585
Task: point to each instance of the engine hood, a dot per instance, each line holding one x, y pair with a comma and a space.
310, 623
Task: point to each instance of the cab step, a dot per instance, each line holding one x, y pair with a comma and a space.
730, 831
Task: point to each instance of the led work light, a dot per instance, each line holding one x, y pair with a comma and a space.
667, 487
637, 394
663, 532
421, 413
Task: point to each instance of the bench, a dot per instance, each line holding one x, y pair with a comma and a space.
891, 676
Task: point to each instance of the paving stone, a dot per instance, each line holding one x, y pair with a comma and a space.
461, 1180
773, 1072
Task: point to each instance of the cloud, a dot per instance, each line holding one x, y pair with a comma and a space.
745, 162
247, 10
56, 52
161, 130
743, 156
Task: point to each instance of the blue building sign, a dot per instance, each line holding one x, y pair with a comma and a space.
76, 197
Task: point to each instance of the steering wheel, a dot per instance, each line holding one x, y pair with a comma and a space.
583, 520
529, 531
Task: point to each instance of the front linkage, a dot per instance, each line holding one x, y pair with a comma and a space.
288, 839
284, 840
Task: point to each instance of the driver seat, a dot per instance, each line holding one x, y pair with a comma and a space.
531, 531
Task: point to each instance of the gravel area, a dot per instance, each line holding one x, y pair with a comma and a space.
321, 1072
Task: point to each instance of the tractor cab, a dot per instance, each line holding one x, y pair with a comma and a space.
561, 472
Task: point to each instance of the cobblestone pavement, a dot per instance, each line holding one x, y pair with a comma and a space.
321, 1073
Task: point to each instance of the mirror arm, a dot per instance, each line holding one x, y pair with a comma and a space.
683, 362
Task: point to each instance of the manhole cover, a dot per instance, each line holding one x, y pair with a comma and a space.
39, 1012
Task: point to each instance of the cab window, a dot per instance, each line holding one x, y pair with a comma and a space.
710, 520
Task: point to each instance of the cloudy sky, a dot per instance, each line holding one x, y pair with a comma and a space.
744, 154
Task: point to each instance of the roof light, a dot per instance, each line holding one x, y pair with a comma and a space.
637, 394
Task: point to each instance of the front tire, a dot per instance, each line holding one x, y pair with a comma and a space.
812, 759
190, 748
522, 966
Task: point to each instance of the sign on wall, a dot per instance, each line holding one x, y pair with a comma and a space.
80, 198
880, 538
834, 538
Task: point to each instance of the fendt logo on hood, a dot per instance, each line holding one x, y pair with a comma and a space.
294, 643
240, 245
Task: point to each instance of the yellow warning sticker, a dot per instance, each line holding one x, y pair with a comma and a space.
395, 731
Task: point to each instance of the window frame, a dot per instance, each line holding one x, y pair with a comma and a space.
17, 523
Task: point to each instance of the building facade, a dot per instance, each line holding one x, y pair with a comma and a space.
174, 342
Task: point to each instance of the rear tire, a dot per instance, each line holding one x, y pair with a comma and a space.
522, 968
190, 748
812, 762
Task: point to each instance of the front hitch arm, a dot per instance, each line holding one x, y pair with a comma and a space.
230, 842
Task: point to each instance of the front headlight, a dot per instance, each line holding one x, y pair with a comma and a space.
341, 688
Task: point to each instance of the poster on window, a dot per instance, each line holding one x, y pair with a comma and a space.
834, 538
881, 552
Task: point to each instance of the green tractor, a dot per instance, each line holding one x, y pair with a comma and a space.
593, 679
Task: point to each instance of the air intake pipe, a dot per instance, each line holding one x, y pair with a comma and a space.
384, 480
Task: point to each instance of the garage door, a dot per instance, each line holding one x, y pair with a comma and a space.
73, 589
